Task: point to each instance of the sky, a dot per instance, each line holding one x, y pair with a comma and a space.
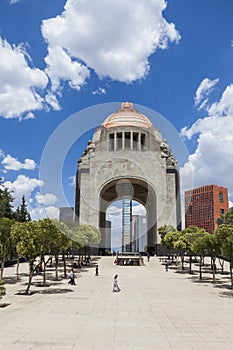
65, 65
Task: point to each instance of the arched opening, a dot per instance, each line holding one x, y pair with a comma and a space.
137, 226
126, 190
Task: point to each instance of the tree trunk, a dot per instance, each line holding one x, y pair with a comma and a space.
200, 269
231, 275
64, 264
214, 267
222, 265
182, 262
17, 268
56, 267
190, 264
31, 272
2, 267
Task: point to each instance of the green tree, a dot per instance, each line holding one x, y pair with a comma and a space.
224, 235
199, 247
16, 233
186, 239
6, 200
47, 236
65, 241
163, 230
6, 247
22, 214
28, 246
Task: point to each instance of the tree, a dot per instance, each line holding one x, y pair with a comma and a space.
21, 214
28, 246
6, 247
6, 200
163, 230
16, 233
65, 241
224, 235
199, 246
186, 239
47, 235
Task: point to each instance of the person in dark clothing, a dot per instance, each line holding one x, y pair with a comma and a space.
97, 270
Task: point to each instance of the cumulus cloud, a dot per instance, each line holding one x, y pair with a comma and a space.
45, 199
203, 90
22, 186
11, 163
39, 206
212, 161
113, 38
20, 84
41, 212
223, 107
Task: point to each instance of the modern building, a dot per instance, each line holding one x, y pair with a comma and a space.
139, 233
127, 225
66, 214
128, 152
204, 206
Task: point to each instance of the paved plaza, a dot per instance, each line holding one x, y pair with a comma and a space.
155, 309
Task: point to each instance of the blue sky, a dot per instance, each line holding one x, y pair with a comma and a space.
58, 58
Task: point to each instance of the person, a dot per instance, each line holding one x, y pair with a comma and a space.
97, 270
115, 284
72, 278
148, 257
166, 265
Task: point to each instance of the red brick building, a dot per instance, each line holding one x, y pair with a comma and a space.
204, 206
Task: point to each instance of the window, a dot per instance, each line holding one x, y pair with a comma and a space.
143, 140
220, 197
111, 142
221, 211
127, 139
135, 140
119, 140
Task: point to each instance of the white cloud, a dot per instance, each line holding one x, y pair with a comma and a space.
46, 199
38, 212
11, 163
22, 186
212, 161
61, 67
114, 38
99, 91
225, 106
203, 90
19, 83
138, 209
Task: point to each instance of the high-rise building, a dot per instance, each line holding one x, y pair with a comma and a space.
126, 225
66, 214
139, 233
204, 206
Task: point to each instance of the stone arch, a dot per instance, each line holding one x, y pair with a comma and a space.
138, 190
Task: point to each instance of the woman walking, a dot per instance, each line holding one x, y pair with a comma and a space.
115, 284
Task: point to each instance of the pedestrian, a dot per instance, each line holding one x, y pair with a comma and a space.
166, 265
97, 270
115, 284
72, 278
148, 257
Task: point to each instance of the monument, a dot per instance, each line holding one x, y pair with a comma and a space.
127, 159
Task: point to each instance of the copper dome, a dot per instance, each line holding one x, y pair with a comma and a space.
127, 115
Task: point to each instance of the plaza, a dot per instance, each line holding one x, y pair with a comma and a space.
155, 309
